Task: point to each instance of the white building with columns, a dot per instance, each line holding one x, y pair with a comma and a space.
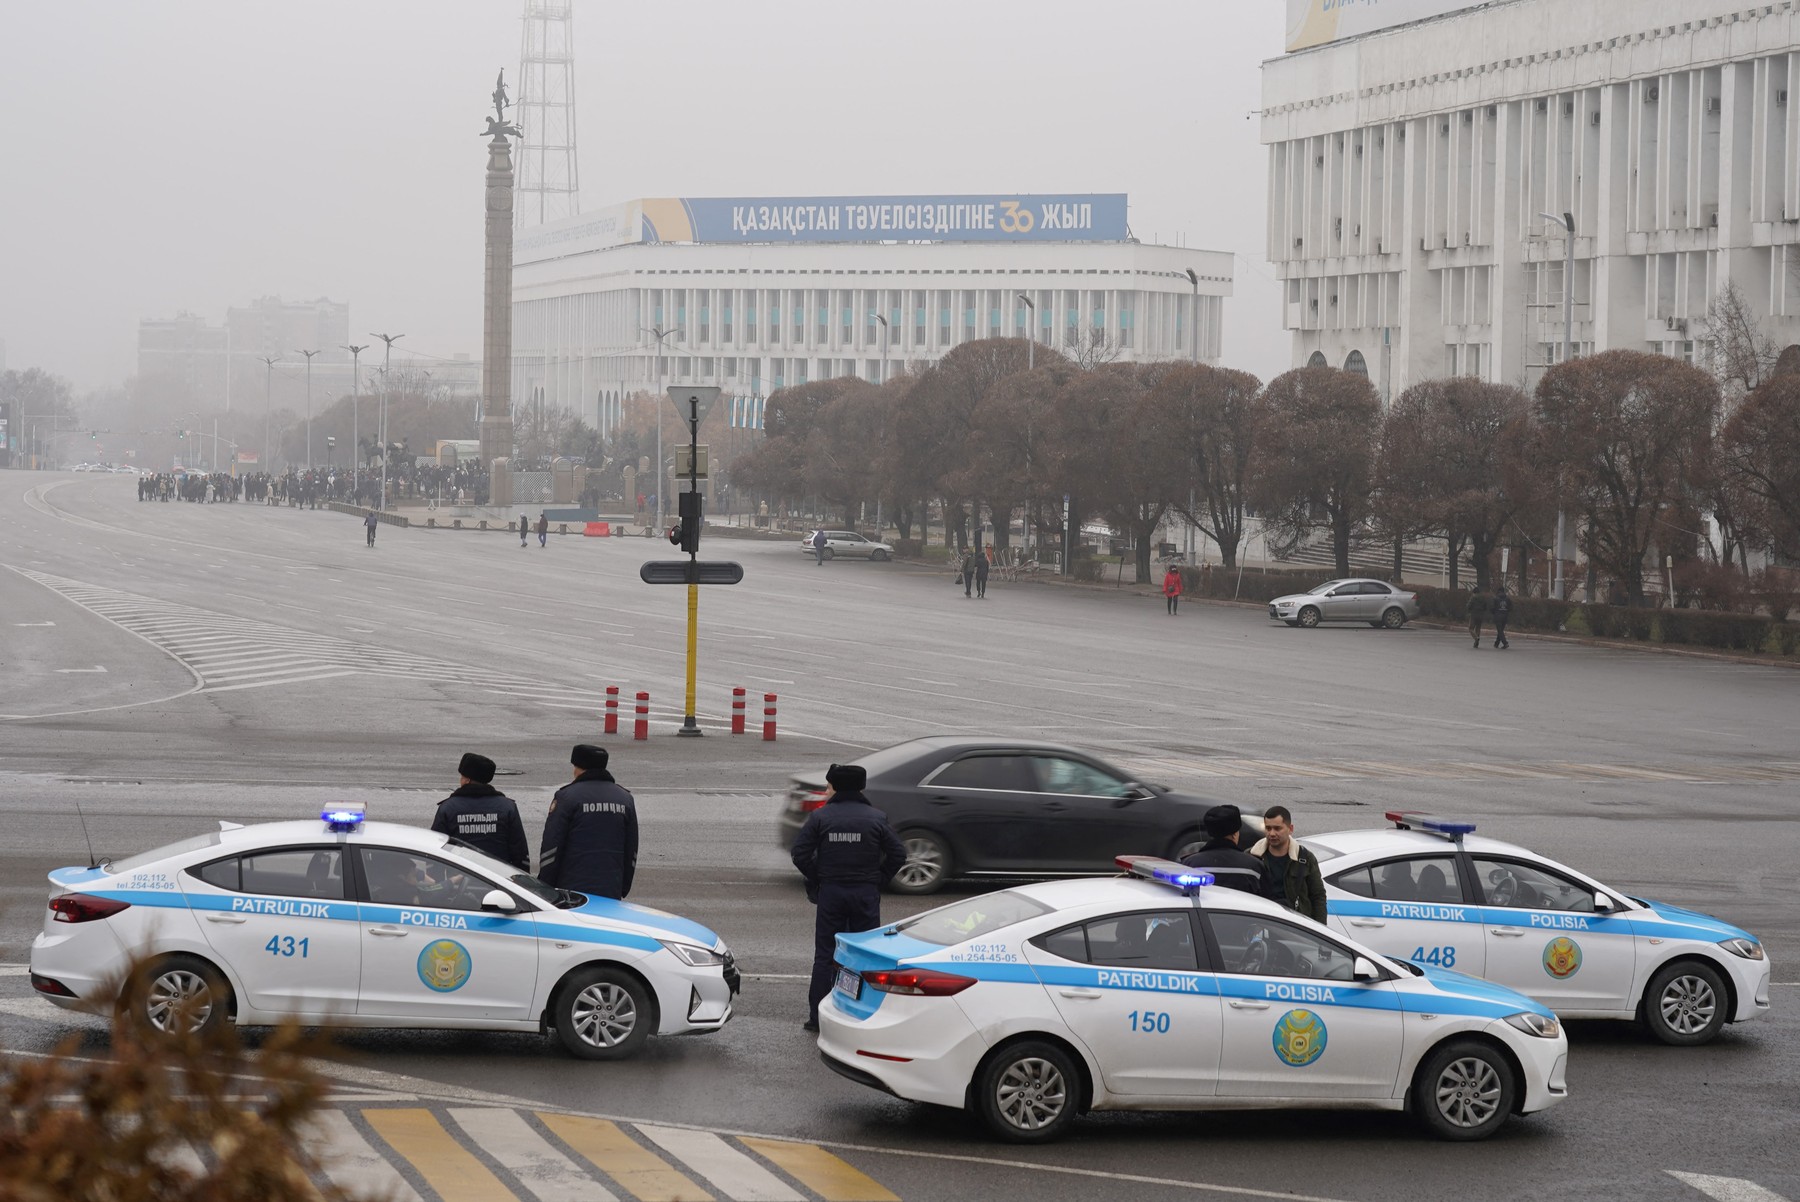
766, 293
1409, 166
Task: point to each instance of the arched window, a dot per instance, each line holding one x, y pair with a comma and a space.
1354, 362
1317, 360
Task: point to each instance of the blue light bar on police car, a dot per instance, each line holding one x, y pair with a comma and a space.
1411, 820
1165, 872
342, 818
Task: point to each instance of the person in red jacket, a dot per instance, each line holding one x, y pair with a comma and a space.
1172, 588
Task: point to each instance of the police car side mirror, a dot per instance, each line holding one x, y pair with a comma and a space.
499, 899
1602, 903
1364, 970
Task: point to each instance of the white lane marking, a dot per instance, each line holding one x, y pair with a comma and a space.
95, 668
536, 613
263, 684
14, 970
34, 623
777, 976
351, 1163
736, 1175
521, 1151
948, 684
284, 666
361, 629
1726, 1189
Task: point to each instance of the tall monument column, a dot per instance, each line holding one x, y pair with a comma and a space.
496, 317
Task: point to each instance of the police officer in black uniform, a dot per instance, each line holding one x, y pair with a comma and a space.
591, 837
847, 852
1231, 866
482, 816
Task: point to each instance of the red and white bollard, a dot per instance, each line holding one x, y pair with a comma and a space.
737, 711
612, 709
768, 717
640, 726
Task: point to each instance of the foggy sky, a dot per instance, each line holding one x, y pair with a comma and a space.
188, 154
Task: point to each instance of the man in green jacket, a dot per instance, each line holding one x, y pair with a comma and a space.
1478, 612
1292, 872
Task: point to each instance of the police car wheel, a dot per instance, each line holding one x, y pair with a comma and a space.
1028, 1093
1684, 1004
179, 995
1309, 617
927, 864
1464, 1090
604, 1014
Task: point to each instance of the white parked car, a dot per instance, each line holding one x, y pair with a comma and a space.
373, 925
1433, 891
850, 543
1160, 991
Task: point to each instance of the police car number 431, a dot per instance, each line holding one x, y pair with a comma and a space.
375, 925
1159, 991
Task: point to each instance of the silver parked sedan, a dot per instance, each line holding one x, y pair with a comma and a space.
848, 542
1373, 601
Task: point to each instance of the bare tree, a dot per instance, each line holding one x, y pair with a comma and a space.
1732, 347
1760, 455
1215, 415
1632, 434
1315, 455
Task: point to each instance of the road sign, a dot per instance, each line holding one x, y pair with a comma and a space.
684, 466
675, 571
692, 401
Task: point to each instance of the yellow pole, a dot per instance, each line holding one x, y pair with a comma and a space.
693, 648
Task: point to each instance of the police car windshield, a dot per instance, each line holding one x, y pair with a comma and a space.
506, 872
961, 921
144, 859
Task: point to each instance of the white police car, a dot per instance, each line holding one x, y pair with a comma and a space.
1157, 992
1434, 892
373, 925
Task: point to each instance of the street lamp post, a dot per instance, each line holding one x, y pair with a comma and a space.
1194, 342
1567, 221
355, 416
1030, 364
881, 381
309, 357
661, 477
269, 362
387, 358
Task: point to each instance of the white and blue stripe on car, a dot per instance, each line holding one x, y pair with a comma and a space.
1661, 921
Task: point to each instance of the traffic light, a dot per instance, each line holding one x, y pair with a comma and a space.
687, 534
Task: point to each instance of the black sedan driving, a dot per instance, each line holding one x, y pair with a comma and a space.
967, 807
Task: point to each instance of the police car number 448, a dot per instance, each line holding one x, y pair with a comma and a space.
1160, 991
375, 925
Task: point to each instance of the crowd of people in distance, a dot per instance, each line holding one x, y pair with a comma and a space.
463, 484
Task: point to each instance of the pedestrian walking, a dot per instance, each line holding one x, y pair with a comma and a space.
591, 836
524, 530
1290, 872
847, 852
982, 566
1502, 610
968, 573
1478, 612
482, 816
1232, 867
543, 529
369, 524
1172, 588
818, 544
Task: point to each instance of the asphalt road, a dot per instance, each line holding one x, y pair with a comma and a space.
168, 665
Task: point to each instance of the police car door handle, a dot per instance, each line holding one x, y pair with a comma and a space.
1080, 993
1367, 922
1238, 1003
1509, 932
233, 919
389, 931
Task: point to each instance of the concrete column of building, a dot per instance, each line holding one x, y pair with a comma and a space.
496, 320
1609, 310
1420, 355
1513, 326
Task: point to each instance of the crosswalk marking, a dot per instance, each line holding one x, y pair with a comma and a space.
541, 1169
1726, 1189
640, 1172
448, 1167
826, 1175
230, 654
352, 1163
735, 1174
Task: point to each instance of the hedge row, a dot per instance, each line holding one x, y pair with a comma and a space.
1682, 627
